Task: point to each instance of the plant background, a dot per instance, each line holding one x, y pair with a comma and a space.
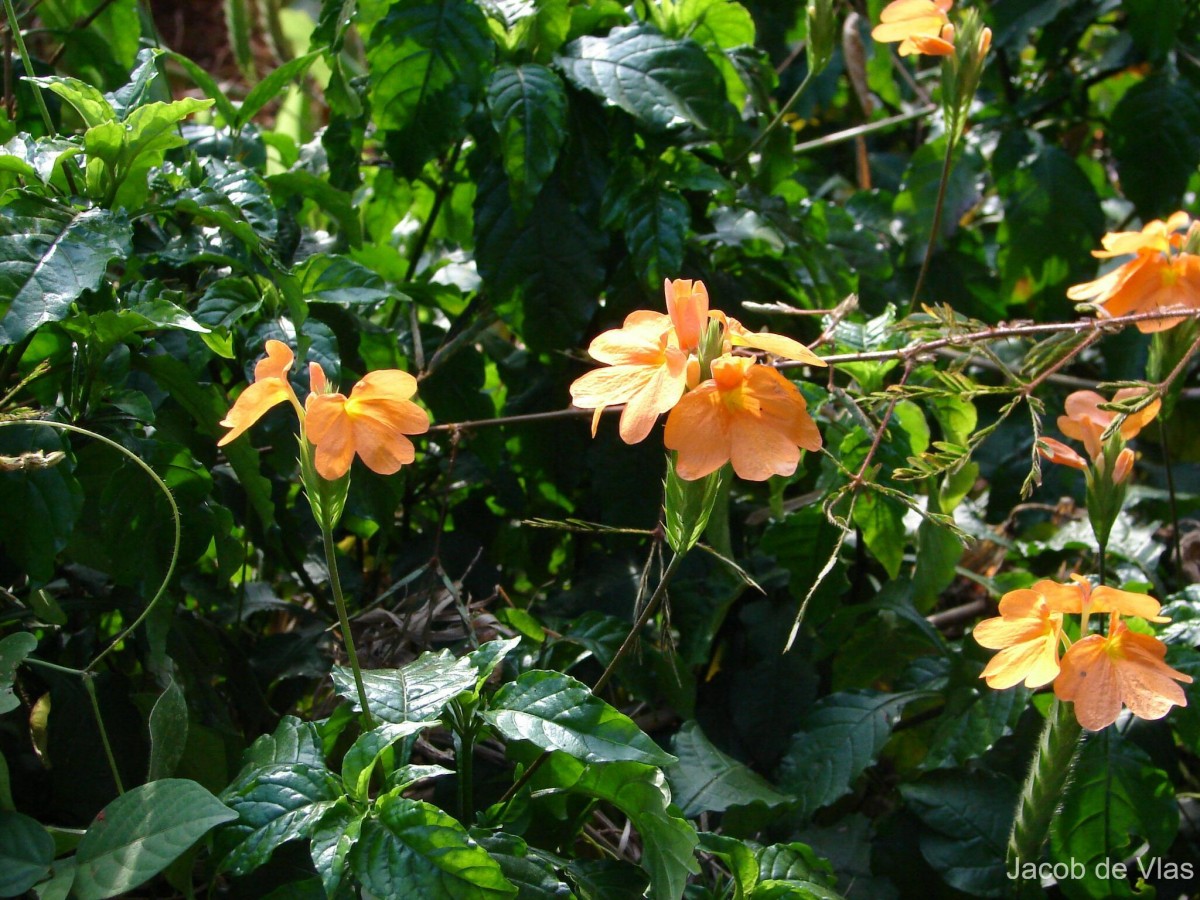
467, 190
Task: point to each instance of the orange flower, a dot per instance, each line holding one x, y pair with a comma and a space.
737, 335
270, 387
921, 26
1085, 421
1027, 633
1100, 673
1161, 274
1057, 452
371, 422
646, 371
687, 305
747, 414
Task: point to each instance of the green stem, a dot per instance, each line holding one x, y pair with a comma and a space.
1101, 554
108, 752
339, 601
1043, 790
1166, 452
937, 223
775, 122
630, 639
464, 751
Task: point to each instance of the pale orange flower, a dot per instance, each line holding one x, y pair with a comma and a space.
270, 388
921, 26
1081, 597
738, 335
1100, 673
1027, 633
372, 422
647, 371
687, 305
1085, 421
1160, 275
747, 414
1056, 451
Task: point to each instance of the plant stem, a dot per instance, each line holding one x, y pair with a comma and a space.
464, 751
937, 222
335, 584
630, 639
774, 123
108, 751
1166, 452
1044, 787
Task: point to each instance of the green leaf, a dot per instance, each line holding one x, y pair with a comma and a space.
35, 157
274, 805
359, 762
338, 204
606, 879
706, 780
882, 522
1158, 119
416, 693
528, 109
545, 274
293, 741
141, 833
136, 92
965, 733
91, 105
168, 731
26, 852
206, 83
146, 132
969, 814
656, 226
668, 842
13, 650
1118, 798
663, 83
413, 849
556, 712
841, 735
533, 875
331, 842
50, 500
938, 553
489, 656
272, 86
688, 505
917, 199
51, 255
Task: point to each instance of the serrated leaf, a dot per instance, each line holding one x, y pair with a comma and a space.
656, 226
706, 780
26, 852
528, 108
668, 842
168, 731
359, 762
969, 814
1158, 119
556, 712
1118, 798
413, 849
840, 736
13, 650
663, 83
274, 805
417, 692
534, 876
51, 255
141, 833
331, 842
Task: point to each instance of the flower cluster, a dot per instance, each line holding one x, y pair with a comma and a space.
1085, 421
722, 407
372, 422
1098, 672
921, 26
1164, 272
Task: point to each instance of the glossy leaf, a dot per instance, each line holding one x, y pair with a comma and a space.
13, 650
490, 656
663, 83
529, 871
141, 833
331, 842
656, 227
26, 852
168, 731
50, 497
359, 762
51, 255
841, 735
273, 85
556, 712
91, 105
706, 780
528, 109
411, 848
417, 692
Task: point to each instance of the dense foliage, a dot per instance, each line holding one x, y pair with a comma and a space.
471, 191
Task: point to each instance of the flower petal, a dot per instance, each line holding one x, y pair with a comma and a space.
1089, 680
330, 430
276, 363
687, 304
252, 403
698, 432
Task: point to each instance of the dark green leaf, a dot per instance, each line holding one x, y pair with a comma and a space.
656, 226
413, 849
168, 732
706, 780
969, 814
50, 500
917, 199
141, 833
528, 108
359, 762
533, 875
556, 712
664, 83
416, 693
1117, 799
13, 650
840, 737
490, 655
966, 734
26, 852
882, 522
136, 92
272, 86
1158, 119
606, 879
331, 843
293, 741
51, 255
